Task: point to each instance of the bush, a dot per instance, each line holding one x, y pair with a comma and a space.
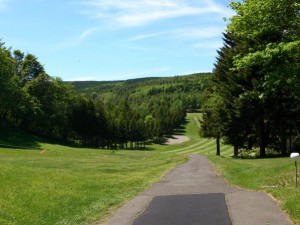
296, 145
254, 153
248, 154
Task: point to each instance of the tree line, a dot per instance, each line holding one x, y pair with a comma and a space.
253, 99
119, 117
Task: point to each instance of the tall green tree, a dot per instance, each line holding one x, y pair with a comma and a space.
31, 68
84, 121
53, 99
221, 109
211, 125
256, 77
269, 65
7, 84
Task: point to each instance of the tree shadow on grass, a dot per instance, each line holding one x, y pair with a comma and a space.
181, 130
16, 139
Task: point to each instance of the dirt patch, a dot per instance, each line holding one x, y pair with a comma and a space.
177, 139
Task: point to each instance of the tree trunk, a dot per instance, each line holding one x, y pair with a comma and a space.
262, 137
290, 140
283, 141
218, 145
235, 151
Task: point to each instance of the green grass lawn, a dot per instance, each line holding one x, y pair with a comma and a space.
71, 186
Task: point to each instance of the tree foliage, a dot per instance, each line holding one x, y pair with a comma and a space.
257, 76
121, 114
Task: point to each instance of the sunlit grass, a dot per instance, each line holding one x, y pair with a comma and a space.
64, 185
73, 186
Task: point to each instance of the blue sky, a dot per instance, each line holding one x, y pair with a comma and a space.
116, 39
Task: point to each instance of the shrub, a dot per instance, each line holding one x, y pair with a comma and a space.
296, 145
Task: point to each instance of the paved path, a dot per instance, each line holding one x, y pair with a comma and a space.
196, 209
197, 177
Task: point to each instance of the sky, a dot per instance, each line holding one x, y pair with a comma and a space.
116, 39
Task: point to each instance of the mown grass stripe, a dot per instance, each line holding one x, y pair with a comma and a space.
200, 151
208, 144
188, 147
204, 143
209, 148
197, 122
227, 149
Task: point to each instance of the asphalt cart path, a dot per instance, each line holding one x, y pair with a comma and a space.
194, 209
193, 193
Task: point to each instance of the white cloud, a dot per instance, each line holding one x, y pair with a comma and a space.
132, 13
87, 33
112, 15
145, 17
76, 41
185, 33
147, 36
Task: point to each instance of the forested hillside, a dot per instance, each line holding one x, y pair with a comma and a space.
124, 114
189, 89
145, 109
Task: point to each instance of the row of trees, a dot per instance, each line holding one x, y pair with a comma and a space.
253, 100
120, 124
35, 102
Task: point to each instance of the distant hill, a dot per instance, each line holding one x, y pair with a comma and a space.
149, 84
85, 85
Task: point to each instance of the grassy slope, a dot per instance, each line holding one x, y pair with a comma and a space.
77, 186
73, 186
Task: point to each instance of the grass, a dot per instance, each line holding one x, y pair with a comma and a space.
73, 186
67, 185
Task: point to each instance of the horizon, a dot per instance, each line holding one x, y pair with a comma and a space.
139, 78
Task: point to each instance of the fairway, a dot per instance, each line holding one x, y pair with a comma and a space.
64, 185
196, 144
67, 185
